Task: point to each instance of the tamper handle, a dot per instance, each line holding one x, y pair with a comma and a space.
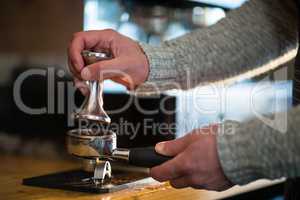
146, 157
92, 109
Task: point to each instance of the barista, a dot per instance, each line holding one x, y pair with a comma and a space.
255, 38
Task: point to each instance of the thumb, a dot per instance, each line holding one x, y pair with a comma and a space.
173, 147
102, 70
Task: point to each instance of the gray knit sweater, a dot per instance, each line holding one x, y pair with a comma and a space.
254, 39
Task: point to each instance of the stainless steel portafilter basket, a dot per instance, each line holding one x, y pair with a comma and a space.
91, 144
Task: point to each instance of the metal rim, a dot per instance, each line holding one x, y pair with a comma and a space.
74, 133
106, 120
102, 55
93, 146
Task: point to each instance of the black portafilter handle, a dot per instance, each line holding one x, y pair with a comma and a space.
146, 157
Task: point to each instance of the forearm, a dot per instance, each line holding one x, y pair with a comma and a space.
251, 40
255, 150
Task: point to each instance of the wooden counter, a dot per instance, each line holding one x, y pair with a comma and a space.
14, 169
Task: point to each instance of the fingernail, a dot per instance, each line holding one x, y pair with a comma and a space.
159, 147
86, 74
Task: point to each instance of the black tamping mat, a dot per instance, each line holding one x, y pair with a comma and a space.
77, 180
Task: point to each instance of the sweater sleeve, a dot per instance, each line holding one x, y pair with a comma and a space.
255, 150
251, 40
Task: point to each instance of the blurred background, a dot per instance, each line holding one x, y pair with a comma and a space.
35, 35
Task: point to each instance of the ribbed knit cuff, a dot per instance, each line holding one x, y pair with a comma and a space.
162, 63
234, 154
162, 74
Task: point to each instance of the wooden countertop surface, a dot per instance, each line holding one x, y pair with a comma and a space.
14, 169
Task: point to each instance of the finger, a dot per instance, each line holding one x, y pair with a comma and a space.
121, 81
76, 62
173, 147
187, 181
79, 83
179, 183
106, 69
171, 169
82, 86
74, 73
87, 40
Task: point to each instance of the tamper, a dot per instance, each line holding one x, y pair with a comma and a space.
99, 147
92, 108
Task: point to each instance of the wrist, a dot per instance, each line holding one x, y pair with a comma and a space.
145, 67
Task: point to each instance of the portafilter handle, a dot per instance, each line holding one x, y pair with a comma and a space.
92, 108
85, 144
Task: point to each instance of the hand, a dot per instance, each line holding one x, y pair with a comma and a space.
196, 163
129, 66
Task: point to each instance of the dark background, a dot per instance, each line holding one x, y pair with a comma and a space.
35, 34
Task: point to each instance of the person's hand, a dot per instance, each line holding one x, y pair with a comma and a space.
196, 163
129, 65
